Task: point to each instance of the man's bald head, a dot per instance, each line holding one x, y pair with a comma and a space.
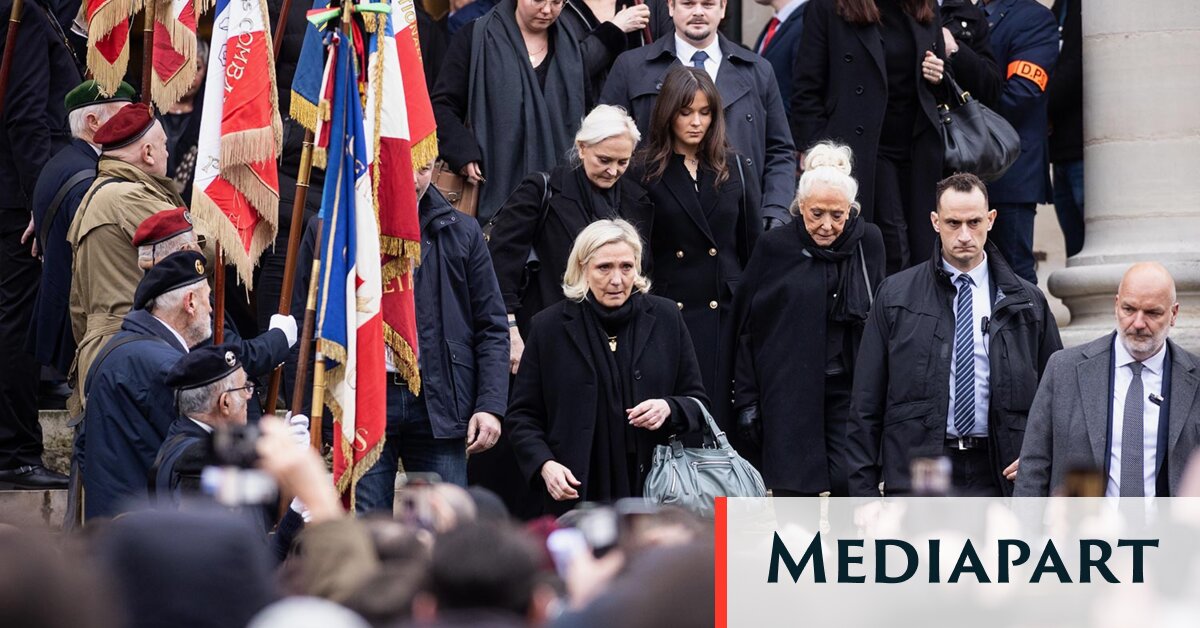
1146, 308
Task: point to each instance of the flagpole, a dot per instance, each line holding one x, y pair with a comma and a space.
281, 25
10, 44
148, 53
306, 343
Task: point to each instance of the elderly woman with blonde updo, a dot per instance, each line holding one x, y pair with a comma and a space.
805, 298
605, 376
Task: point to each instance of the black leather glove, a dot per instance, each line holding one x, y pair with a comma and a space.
749, 425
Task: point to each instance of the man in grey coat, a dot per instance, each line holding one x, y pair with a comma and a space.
755, 118
1124, 404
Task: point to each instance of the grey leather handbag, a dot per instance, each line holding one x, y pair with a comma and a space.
691, 477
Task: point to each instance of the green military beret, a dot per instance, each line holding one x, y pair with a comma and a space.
88, 93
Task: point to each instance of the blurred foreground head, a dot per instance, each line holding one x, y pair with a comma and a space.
46, 586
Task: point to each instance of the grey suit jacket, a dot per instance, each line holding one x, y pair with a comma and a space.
1068, 423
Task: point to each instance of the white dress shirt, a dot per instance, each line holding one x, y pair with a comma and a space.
204, 426
182, 342
1152, 383
684, 52
981, 306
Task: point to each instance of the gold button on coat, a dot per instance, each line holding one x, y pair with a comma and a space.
712, 305
712, 252
680, 304
679, 254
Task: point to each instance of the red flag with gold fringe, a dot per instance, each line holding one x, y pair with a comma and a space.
108, 40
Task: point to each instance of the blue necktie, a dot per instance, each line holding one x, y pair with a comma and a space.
964, 359
698, 59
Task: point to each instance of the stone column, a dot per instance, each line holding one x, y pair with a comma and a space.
1141, 96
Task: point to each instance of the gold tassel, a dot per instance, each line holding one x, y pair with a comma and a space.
303, 112
425, 151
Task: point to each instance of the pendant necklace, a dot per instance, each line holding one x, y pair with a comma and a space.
612, 343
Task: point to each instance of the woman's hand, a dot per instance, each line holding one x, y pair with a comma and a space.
560, 482
932, 68
515, 350
473, 172
632, 19
649, 414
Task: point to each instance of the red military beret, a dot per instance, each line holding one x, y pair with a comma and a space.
163, 226
124, 128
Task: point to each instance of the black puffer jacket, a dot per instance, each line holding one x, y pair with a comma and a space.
902, 376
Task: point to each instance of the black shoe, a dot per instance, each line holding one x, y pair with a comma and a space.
31, 478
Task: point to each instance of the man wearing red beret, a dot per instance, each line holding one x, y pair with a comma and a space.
130, 186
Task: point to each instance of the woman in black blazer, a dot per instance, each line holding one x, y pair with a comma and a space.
866, 77
545, 220
704, 219
606, 376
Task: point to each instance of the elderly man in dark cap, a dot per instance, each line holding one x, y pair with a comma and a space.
130, 186
130, 406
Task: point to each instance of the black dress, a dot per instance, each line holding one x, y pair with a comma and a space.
700, 242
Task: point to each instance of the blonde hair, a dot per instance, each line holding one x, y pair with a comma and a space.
829, 164
594, 237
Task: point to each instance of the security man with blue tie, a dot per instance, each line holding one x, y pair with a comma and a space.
1124, 403
950, 359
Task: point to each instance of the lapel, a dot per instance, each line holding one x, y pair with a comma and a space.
573, 324
1182, 393
870, 38
795, 20
644, 328
732, 82
680, 184
1095, 391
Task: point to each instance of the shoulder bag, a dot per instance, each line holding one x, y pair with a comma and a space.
976, 139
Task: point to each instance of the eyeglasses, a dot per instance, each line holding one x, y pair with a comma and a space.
557, 4
249, 388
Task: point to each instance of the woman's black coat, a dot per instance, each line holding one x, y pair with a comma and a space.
840, 93
552, 412
699, 268
782, 315
516, 228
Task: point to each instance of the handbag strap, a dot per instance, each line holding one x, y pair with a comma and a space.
862, 257
717, 435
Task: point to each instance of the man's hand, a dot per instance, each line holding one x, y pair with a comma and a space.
649, 414
28, 236
297, 426
287, 325
482, 432
516, 349
473, 172
560, 482
1010, 472
299, 471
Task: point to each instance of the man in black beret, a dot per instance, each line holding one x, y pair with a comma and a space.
130, 405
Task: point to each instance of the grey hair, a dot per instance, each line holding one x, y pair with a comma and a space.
77, 119
148, 252
828, 164
594, 237
602, 123
197, 401
172, 299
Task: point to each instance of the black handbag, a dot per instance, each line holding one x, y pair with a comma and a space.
976, 139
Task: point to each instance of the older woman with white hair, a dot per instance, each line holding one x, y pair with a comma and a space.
605, 377
532, 234
801, 310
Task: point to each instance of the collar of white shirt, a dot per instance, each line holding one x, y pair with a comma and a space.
205, 426
788, 9
978, 274
183, 343
1154, 363
684, 51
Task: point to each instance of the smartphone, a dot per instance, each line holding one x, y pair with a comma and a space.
565, 546
599, 528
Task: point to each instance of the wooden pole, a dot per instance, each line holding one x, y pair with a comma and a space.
281, 25
289, 267
148, 54
10, 45
306, 345
219, 290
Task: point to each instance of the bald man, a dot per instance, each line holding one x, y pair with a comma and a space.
1124, 404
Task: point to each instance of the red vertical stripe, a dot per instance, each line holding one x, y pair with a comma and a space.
721, 565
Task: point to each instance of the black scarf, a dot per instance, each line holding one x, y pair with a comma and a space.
598, 203
852, 302
508, 108
613, 470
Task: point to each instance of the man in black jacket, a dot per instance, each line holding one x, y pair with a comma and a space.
463, 340
950, 359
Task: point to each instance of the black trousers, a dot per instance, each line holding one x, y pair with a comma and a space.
837, 418
971, 473
908, 236
20, 432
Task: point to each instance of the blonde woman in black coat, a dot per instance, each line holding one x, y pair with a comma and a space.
606, 376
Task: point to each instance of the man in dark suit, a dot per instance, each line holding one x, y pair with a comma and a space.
61, 186
1124, 403
1024, 38
755, 118
779, 40
950, 359
34, 127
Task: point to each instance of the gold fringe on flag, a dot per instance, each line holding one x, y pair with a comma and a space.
425, 151
403, 358
100, 24
303, 112
218, 227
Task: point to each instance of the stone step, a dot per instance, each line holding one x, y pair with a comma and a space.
57, 438
31, 509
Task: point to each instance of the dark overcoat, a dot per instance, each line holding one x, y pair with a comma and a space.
129, 411
50, 339
698, 265
901, 390
781, 51
516, 230
553, 411
756, 121
840, 93
781, 358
